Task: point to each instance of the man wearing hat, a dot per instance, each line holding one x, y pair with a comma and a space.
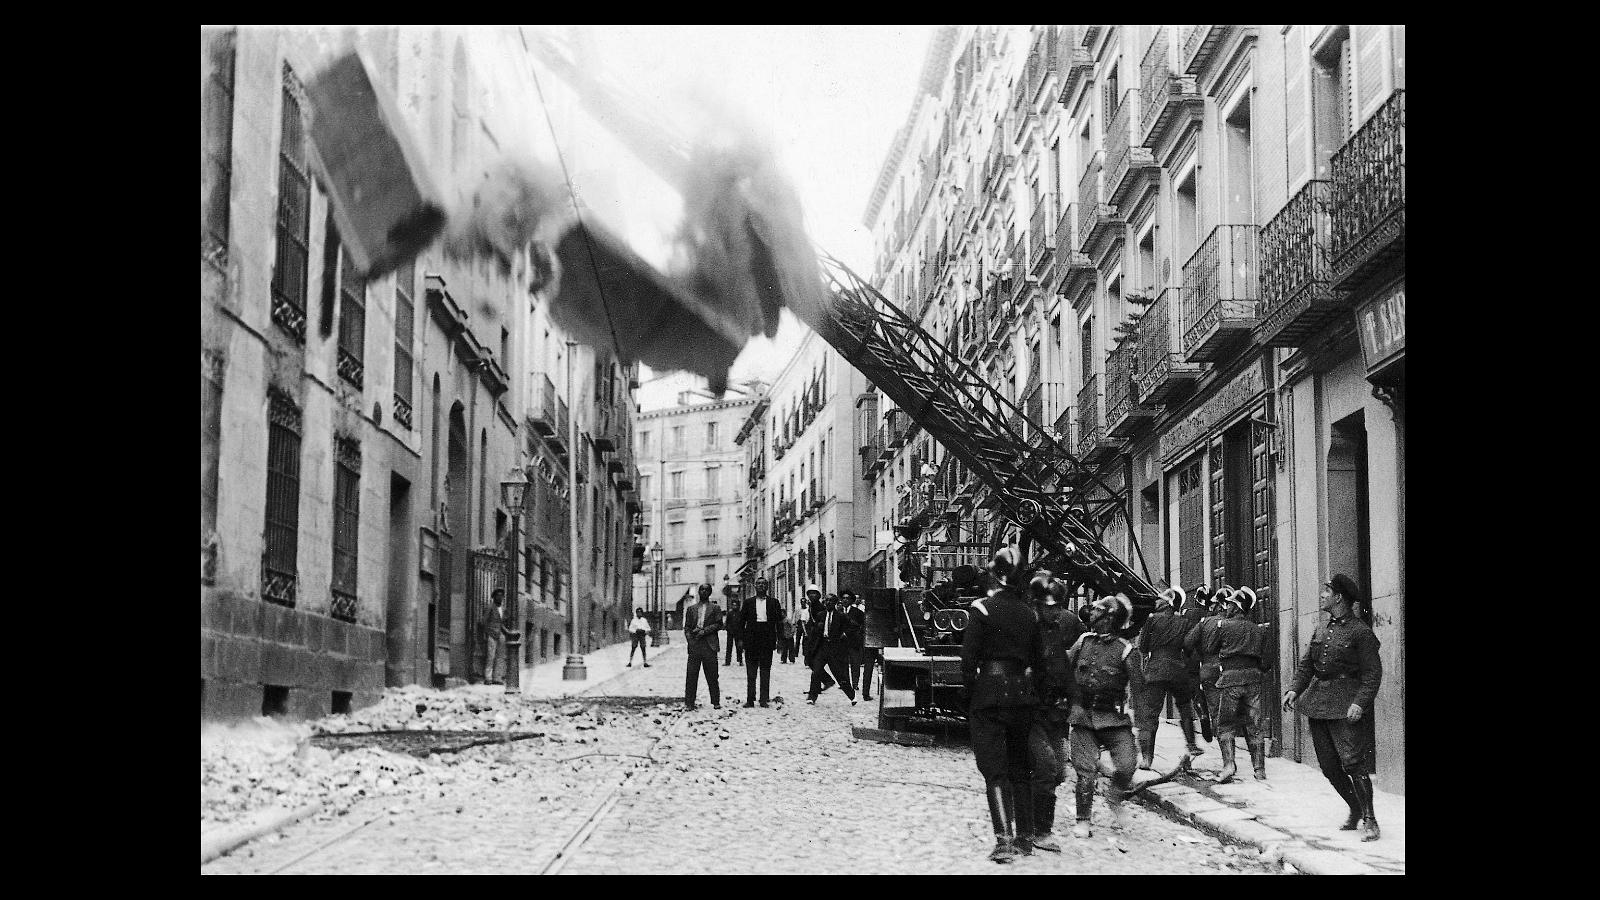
733, 625
1335, 684
1165, 673
1106, 669
761, 618
1209, 669
1002, 657
1240, 647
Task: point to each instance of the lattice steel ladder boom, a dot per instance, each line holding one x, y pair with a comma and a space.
969, 418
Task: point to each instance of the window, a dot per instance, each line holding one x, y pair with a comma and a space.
279, 578
711, 482
346, 526
675, 538
216, 174
711, 574
404, 332
644, 487
676, 485
289, 269
711, 435
1239, 195
352, 321
1149, 281
1086, 346
644, 444
677, 440
677, 575
712, 527
1330, 70
1188, 219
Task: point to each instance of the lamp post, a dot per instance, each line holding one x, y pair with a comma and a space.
574, 670
517, 498
660, 636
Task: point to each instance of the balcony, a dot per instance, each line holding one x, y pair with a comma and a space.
542, 408
1095, 218
1073, 269
898, 425
1043, 231
402, 411
1128, 162
1065, 428
870, 453
1164, 96
1022, 278
1078, 66
1161, 375
1199, 44
1094, 443
1369, 197
1043, 404
999, 162
817, 500
1221, 287
1297, 300
604, 427
1125, 415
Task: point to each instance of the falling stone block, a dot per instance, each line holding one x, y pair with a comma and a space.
385, 201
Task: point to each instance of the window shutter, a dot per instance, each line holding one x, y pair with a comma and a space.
1397, 44
1369, 50
1297, 121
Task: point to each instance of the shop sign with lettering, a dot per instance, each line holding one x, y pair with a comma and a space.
1382, 324
1224, 403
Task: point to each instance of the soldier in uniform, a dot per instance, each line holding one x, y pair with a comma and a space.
1193, 610
1208, 666
1105, 669
1002, 653
1240, 648
1165, 673
1339, 678
1060, 629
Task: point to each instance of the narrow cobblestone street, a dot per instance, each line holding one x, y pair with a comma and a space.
695, 785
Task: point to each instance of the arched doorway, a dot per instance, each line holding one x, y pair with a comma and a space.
456, 501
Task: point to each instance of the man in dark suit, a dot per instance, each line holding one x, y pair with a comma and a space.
700, 624
832, 652
734, 626
856, 642
762, 620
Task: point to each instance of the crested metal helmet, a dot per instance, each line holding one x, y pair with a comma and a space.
1244, 598
1058, 592
1118, 606
1172, 598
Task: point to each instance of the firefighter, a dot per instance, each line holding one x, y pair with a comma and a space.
1105, 669
1209, 668
1193, 610
1339, 678
1060, 629
1240, 648
1165, 673
1001, 644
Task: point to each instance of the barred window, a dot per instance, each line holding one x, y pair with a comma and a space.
289, 271
404, 331
346, 525
279, 579
217, 124
352, 321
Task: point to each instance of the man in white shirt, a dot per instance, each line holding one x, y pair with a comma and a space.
762, 618
639, 628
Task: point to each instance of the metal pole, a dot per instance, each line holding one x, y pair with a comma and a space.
513, 606
661, 530
574, 670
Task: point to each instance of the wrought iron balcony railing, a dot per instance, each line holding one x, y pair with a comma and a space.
1077, 66
1095, 217
1042, 231
1125, 415
1127, 159
402, 411
1161, 373
1199, 44
1022, 276
1296, 299
1369, 196
1221, 287
1163, 94
1093, 442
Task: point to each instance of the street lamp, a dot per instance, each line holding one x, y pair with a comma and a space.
660, 637
516, 497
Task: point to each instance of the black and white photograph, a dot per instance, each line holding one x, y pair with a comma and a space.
802, 450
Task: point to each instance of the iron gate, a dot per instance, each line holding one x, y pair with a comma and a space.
486, 571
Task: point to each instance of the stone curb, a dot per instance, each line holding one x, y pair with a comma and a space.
1240, 826
225, 840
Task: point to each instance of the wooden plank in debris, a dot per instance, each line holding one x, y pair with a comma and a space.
872, 734
386, 202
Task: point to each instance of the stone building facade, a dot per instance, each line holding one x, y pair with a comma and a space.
354, 432
1180, 250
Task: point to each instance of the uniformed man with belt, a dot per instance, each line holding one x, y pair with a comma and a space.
1002, 654
1105, 669
1194, 609
1060, 629
1165, 673
1240, 647
1339, 678
1210, 668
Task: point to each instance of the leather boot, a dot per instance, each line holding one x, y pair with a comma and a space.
1001, 816
1147, 750
1258, 755
1341, 784
1117, 802
1044, 821
1369, 818
1022, 805
1187, 724
1080, 828
1225, 744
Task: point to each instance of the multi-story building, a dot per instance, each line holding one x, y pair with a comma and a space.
1180, 251
808, 526
355, 432
692, 481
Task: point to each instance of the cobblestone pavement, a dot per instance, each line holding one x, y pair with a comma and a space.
791, 776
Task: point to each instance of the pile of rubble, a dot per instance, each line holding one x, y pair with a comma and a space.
265, 763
